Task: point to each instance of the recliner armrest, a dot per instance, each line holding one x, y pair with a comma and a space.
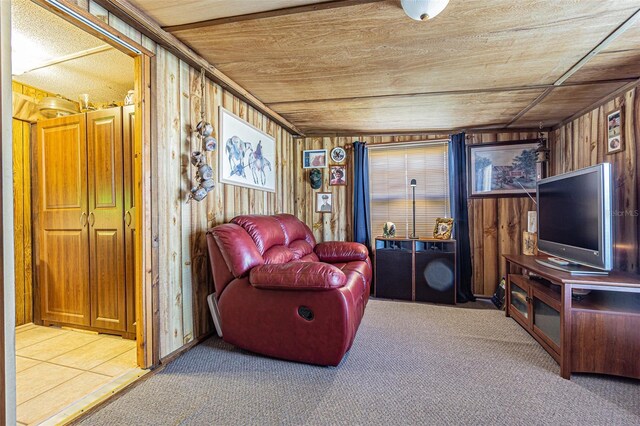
313, 276
341, 251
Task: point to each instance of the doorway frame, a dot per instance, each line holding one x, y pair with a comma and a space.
147, 345
7, 267
146, 293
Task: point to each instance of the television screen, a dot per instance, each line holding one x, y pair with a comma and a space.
568, 210
574, 217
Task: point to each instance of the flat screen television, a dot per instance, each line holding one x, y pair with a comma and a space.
574, 220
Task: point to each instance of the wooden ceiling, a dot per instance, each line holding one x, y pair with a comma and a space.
363, 66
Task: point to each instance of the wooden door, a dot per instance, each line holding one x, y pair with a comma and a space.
63, 254
128, 123
106, 239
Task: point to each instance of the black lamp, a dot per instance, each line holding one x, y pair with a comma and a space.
413, 188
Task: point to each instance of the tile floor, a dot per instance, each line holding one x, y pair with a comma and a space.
56, 367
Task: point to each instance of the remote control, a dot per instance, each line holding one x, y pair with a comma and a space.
558, 261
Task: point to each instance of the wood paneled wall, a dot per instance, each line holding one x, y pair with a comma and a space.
496, 224
582, 143
22, 208
184, 277
22, 221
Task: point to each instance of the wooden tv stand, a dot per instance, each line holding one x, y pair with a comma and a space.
595, 333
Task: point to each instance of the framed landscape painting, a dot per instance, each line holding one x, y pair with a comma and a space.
502, 169
247, 155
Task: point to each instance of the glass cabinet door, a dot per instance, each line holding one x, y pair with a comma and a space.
519, 300
547, 320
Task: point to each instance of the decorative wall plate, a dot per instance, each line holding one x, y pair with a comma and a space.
338, 154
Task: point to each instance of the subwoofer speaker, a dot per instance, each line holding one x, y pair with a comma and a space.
393, 276
435, 274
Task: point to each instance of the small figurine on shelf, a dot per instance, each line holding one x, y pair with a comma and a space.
389, 230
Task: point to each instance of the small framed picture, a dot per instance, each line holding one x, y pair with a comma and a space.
324, 202
338, 175
444, 226
615, 136
314, 158
338, 154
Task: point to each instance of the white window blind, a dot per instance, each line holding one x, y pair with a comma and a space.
391, 169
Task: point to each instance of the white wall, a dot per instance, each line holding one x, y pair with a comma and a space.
6, 217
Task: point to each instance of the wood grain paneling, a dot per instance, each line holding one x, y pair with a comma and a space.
22, 208
22, 221
583, 143
618, 60
166, 12
441, 112
184, 277
373, 49
495, 225
562, 102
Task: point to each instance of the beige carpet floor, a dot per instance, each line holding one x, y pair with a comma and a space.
411, 364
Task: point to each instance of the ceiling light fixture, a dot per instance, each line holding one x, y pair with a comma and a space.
422, 10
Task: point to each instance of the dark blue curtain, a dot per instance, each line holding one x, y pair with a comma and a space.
460, 213
361, 206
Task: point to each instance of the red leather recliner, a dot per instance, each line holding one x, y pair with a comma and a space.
281, 295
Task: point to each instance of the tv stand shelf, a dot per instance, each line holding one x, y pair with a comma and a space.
594, 333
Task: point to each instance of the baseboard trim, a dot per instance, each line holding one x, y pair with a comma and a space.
175, 354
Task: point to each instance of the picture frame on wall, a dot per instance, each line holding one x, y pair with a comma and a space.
338, 155
247, 155
503, 169
314, 159
615, 135
324, 202
338, 176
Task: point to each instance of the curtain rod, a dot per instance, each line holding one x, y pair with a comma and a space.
406, 144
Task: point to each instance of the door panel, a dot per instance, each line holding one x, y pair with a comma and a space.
63, 260
62, 299
107, 245
128, 123
105, 161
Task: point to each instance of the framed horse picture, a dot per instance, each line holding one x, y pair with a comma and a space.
247, 155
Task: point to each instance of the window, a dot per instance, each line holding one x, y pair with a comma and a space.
391, 169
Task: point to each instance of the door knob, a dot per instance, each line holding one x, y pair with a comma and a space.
92, 219
127, 218
83, 219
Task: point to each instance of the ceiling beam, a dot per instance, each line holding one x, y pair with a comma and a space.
532, 105
270, 14
133, 16
449, 92
496, 128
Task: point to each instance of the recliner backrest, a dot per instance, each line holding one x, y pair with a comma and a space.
252, 240
298, 237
